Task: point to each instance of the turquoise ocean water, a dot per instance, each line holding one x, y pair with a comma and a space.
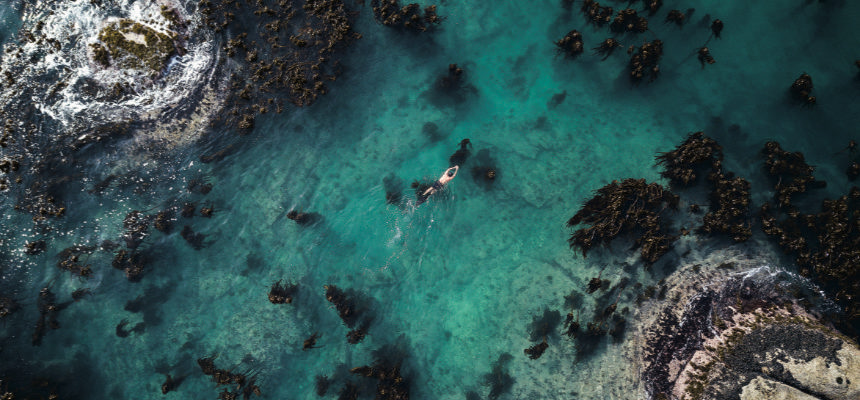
455, 283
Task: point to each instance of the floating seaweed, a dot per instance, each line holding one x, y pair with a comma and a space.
628, 20
606, 47
790, 172
627, 207
344, 304
164, 220
571, 44
801, 89
534, 352
241, 383
304, 218
730, 196
596, 13
704, 56
697, 154
646, 61
311, 342
282, 294
729, 212
131, 262
677, 17
49, 310
69, 260
717, 28
410, 17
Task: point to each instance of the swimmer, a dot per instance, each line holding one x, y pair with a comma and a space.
446, 177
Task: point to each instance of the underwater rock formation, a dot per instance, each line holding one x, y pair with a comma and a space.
741, 329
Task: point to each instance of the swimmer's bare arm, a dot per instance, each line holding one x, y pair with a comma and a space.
445, 178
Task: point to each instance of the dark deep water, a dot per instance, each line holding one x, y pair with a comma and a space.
449, 289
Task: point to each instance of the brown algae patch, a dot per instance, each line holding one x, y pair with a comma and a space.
131, 44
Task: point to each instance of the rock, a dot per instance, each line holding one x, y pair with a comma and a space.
833, 380
761, 389
750, 333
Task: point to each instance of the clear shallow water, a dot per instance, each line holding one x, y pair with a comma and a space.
456, 282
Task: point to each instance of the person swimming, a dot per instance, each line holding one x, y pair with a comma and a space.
440, 183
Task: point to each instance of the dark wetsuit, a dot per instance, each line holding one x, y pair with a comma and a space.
421, 197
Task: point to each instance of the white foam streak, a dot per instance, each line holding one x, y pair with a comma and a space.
76, 25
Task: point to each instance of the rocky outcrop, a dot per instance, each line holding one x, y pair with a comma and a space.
761, 388
746, 332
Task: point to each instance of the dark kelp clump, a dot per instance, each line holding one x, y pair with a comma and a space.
571, 44
595, 13
630, 207
390, 383
606, 47
730, 203
534, 352
462, 154
391, 13
646, 61
288, 50
49, 310
499, 379
676, 17
696, 155
345, 305
70, 260
826, 245
801, 89
730, 195
628, 20
790, 172
240, 383
8, 306
704, 56
282, 294
304, 218
131, 262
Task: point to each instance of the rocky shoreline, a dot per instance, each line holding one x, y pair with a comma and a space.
736, 328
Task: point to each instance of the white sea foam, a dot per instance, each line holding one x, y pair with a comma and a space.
76, 25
